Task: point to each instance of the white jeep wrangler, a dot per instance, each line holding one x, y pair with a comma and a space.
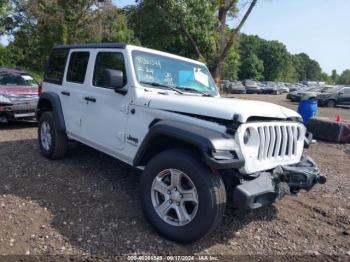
163, 114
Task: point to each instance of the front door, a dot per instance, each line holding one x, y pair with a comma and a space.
105, 116
344, 97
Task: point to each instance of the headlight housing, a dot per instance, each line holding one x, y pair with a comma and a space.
4, 100
246, 136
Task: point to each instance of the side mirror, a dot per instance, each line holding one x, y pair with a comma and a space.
113, 79
341, 93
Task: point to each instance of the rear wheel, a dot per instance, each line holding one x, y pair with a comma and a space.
182, 199
52, 142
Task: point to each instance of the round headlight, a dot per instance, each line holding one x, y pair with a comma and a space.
246, 136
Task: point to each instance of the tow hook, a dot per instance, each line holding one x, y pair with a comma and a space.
321, 179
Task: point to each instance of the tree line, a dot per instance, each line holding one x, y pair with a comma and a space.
193, 28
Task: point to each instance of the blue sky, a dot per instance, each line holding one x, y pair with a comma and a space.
319, 28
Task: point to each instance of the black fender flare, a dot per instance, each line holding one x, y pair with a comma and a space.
206, 140
57, 111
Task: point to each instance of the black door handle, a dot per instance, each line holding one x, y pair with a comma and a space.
90, 99
65, 93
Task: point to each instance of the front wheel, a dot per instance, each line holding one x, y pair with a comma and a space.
182, 199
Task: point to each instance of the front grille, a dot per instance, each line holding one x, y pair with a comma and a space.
23, 98
270, 144
278, 141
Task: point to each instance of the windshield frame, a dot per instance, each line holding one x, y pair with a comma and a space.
182, 88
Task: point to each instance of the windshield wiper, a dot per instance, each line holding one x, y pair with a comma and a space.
194, 90
156, 84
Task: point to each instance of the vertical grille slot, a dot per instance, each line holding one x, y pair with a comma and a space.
272, 141
267, 141
277, 141
284, 141
290, 140
262, 142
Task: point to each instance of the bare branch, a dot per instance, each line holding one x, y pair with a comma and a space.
183, 30
246, 15
191, 39
233, 33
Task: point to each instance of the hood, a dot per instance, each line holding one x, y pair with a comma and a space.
18, 90
325, 94
308, 92
223, 108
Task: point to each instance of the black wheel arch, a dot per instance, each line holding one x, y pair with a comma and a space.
167, 134
50, 101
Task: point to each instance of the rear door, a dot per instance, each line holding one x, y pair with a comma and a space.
344, 97
73, 87
53, 79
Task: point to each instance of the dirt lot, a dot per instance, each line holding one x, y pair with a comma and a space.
87, 204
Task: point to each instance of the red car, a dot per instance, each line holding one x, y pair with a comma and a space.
18, 95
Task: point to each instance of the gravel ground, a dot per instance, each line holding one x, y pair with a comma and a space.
87, 205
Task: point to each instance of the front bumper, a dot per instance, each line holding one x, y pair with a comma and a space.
18, 111
283, 180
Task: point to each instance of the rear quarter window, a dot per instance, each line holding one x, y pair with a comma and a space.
55, 67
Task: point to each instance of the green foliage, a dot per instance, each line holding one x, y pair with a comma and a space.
4, 8
193, 28
326, 78
3, 56
278, 63
307, 68
40, 25
275, 57
251, 68
164, 25
344, 78
334, 76
231, 65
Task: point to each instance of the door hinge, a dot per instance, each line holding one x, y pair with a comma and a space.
125, 108
121, 136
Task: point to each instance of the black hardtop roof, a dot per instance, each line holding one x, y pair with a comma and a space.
92, 45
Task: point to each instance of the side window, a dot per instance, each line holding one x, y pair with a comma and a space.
56, 65
346, 91
77, 67
108, 60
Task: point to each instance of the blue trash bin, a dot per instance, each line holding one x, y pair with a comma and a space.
307, 109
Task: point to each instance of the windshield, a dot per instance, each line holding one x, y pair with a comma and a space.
186, 76
17, 80
332, 89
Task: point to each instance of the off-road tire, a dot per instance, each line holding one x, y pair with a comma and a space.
329, 130
59, 144
211, 195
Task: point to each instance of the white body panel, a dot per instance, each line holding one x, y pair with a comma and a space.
106, 123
